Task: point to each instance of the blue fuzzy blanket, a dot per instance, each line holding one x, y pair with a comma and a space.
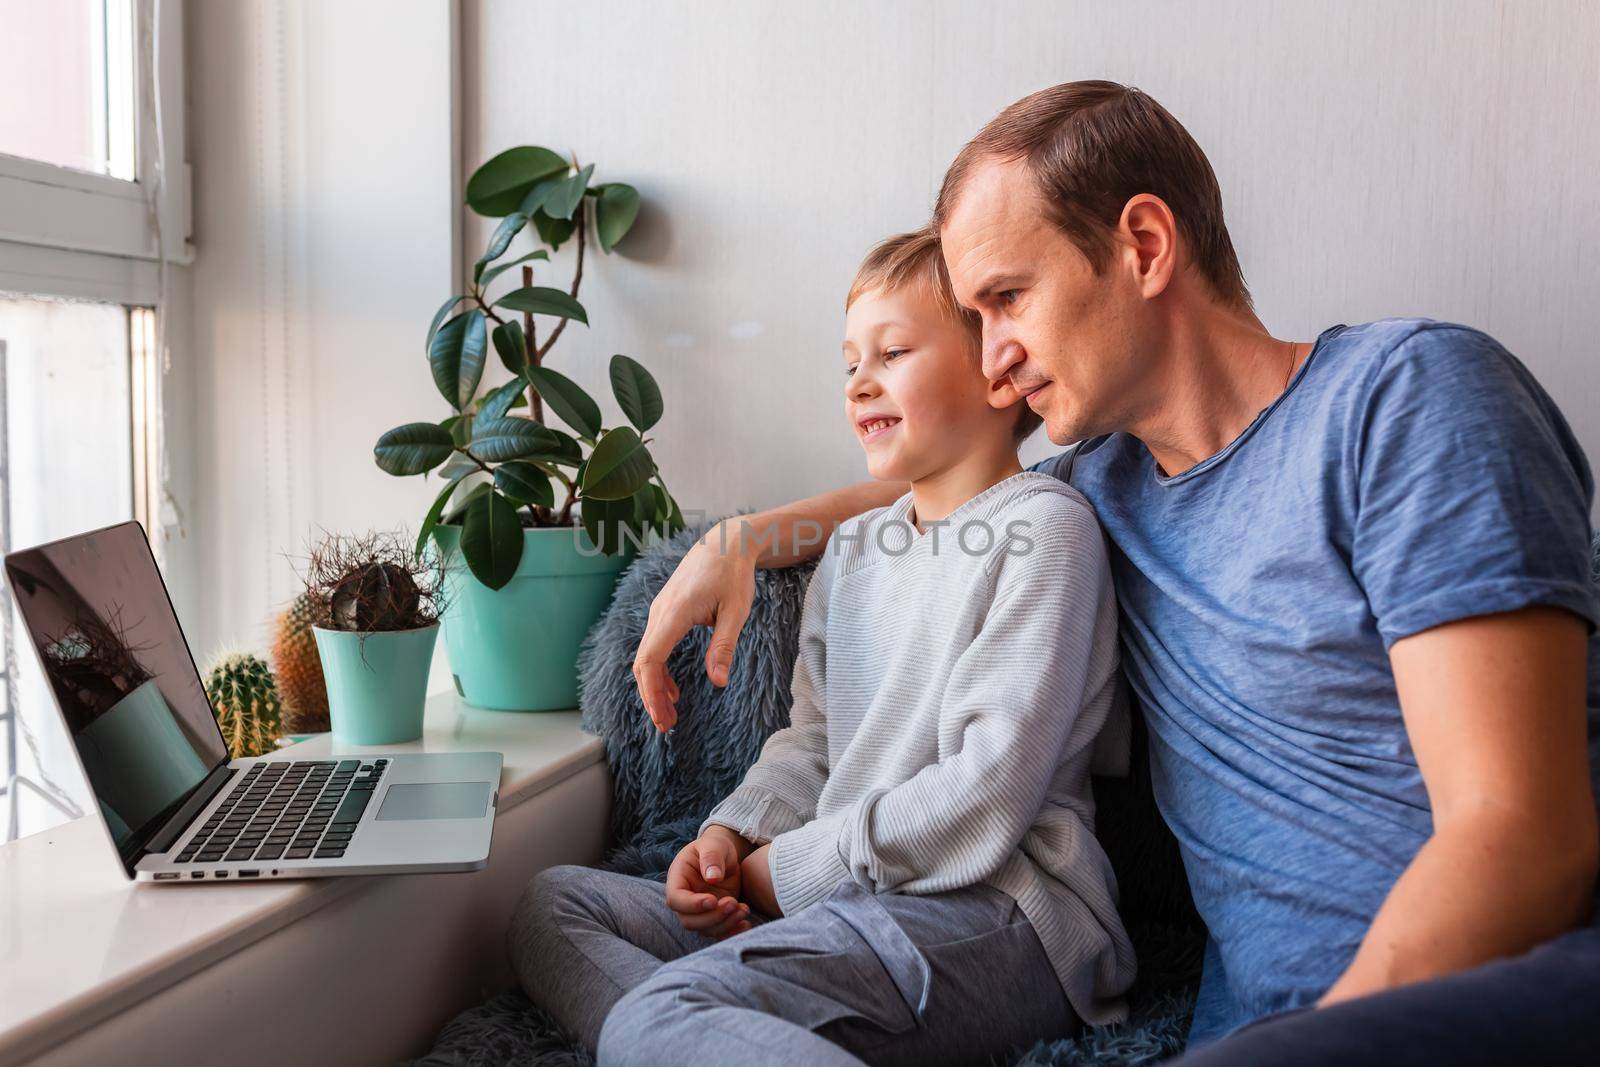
665, 785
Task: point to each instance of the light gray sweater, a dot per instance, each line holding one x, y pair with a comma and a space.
952, 692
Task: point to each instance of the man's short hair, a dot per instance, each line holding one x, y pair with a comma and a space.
915, 260
1092, 146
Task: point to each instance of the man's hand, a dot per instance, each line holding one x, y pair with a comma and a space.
703, 883
714, 585
756, 878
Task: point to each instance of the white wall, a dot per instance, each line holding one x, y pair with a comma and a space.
324, 170
1376, 159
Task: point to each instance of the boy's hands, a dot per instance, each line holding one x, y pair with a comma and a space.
756, 878
703, 883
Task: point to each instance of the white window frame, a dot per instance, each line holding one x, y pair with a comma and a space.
78, 235
70, 233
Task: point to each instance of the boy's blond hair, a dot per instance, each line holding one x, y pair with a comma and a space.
915, 260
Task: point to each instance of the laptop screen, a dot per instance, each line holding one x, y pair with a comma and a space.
127, 688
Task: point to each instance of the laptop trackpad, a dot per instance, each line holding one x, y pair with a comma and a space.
436, 800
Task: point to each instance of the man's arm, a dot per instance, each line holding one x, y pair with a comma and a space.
715, 583
1495, 709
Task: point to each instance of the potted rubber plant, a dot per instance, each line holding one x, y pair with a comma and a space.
526, 575
375, 614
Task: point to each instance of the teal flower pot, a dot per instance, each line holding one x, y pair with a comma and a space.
377, 683
516, 648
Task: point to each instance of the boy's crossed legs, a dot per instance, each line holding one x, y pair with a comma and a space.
955, 977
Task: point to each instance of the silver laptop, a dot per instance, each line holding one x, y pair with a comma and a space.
177, 809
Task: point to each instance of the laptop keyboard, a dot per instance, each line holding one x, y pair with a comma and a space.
307, 809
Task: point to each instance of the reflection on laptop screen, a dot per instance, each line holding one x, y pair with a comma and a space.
121, 674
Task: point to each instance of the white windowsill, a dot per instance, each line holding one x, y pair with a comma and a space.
79, 942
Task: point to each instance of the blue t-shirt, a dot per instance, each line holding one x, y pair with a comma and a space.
1412, 473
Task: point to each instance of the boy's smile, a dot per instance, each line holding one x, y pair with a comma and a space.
912, 387
874, 425
916, 395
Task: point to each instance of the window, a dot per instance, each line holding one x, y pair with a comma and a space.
93, 218
68, 455
67, 86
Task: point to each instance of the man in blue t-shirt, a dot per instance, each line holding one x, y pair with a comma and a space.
1357, 613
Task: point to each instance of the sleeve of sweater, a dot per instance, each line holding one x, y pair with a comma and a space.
779, 791
1013, 700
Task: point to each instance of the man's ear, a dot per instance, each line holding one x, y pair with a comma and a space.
1147, 239
1002, 394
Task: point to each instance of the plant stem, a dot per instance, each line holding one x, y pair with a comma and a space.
565, 517
481, 464
538, 512
535, 403
477, 295
580, 220
529, 328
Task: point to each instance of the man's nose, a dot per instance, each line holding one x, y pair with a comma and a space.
1001, 352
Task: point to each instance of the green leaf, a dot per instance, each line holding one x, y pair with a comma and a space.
432, 518
438, 317
509, 227
413, 448
502, 398
491, 539
567, 399
497, 187
524, 483
500, 268
512, 346
614, 213
460, 427
570, 452
662, 514
644, 506
497, 440
563, 200
455, 513
636, 392
605, 520
456, 356
459, 466
543, 300
553, 231
534, 199
618, 465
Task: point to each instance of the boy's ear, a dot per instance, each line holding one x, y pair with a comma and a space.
1002, 394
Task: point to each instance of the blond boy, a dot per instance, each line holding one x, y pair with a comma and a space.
908, 873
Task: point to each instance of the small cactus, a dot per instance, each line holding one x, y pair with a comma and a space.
299, 668
376, 595
370, 583
245, 700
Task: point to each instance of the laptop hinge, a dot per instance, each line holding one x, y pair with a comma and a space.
174, 827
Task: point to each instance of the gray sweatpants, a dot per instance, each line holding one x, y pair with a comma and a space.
949, 978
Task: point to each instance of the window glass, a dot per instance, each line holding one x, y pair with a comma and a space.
67, 89
66, 465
